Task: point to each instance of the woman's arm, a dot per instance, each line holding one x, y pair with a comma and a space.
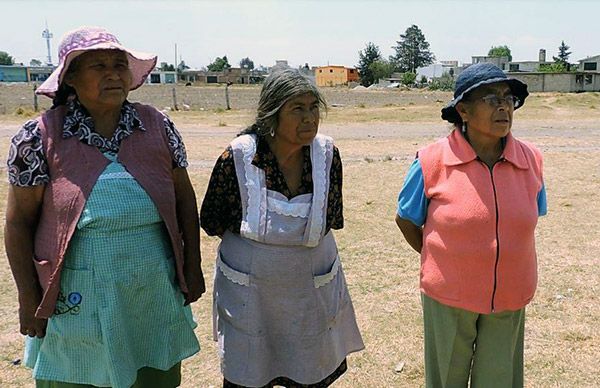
22, 215
412, 206
222, 206
335, 201
187, 218
413, 234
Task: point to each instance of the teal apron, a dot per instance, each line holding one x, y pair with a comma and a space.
119, 308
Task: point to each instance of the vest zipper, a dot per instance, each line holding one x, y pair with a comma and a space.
491, 170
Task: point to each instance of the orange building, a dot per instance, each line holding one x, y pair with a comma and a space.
335, 75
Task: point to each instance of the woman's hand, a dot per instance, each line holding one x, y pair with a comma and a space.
195, 283
30, 325
412, 233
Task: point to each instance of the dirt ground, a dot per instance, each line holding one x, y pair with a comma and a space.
377, 134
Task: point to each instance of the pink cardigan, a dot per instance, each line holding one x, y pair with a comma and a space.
74, 168
478, 239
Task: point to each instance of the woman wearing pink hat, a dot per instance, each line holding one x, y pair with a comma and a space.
101, 230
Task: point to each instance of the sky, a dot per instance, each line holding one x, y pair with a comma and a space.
306, 31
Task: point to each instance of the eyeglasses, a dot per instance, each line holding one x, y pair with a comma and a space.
494, 101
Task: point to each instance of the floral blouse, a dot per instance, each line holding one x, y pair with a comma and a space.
28, 166
222, 206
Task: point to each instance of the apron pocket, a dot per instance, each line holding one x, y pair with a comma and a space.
231, 292
322, 280
76, 312
331, 294
235, 276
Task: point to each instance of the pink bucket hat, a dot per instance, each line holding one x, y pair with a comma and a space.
77, 42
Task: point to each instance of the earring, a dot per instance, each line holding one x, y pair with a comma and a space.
464, 127
272, 132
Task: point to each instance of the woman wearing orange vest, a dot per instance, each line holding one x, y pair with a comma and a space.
469, 206
101, 228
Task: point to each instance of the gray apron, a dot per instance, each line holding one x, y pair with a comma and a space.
281, 304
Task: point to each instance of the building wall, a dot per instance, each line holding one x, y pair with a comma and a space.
352, 75
233, 75
335, 75
39, 73
590, 62
559, 82
525, 66
501, 62
330, 75
162, 77
13, 73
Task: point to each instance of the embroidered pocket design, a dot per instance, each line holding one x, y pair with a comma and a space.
70, 304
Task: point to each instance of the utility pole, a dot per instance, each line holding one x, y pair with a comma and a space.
46, 34
175, 64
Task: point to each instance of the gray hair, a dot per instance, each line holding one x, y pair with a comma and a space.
279, 87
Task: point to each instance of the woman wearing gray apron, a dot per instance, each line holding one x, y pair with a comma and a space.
282, 312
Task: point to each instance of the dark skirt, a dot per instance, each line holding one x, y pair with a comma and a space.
285, 382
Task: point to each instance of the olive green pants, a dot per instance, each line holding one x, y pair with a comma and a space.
146, 378
460, 344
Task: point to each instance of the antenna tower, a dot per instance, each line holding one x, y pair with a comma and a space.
46, 34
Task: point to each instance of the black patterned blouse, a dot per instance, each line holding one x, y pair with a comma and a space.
222, 207
28, 166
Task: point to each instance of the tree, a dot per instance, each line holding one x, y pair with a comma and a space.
219, 64
554, 67
164, 66
366, 58
247, 63
412, 51
563, 56
6, 59
381, 69
35, 62
500, 51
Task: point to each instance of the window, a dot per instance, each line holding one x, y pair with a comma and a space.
513, 67
579, 79
154, 78
331, 70
351, 71
320, 70
590, 66
588, 79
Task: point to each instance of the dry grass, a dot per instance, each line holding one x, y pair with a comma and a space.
377, 144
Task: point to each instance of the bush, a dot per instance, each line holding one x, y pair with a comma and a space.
445, 82
409, 78
24, 112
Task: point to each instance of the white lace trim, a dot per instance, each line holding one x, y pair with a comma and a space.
116, 175
235, 276
322, 280
321, 144
251, 225
288, 208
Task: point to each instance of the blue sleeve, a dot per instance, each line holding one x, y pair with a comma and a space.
412, 203
541, 201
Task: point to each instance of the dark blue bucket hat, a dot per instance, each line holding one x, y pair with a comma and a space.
473, 77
